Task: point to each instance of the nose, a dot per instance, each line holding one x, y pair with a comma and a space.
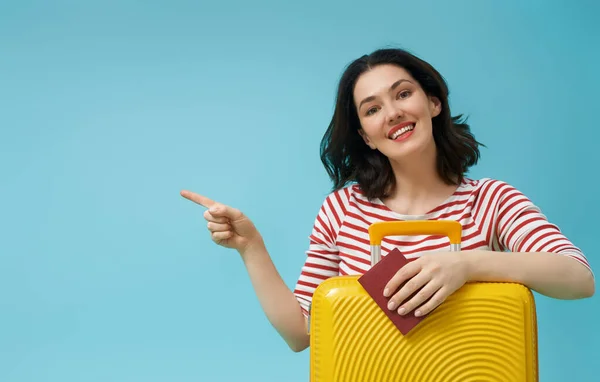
394, 113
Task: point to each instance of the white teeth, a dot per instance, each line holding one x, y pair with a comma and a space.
402, 131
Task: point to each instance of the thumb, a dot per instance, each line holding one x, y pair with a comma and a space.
221, 210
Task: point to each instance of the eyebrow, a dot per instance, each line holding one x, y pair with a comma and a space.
371, 98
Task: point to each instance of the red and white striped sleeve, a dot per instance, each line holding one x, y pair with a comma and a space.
323, 258
520, 226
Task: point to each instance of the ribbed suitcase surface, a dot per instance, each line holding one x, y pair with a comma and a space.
483, 332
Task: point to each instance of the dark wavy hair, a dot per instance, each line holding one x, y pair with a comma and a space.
346, 157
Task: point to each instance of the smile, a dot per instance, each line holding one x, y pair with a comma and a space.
401, 132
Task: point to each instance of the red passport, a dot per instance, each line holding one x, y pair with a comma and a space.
374, 281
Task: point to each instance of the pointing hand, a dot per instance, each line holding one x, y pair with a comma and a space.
228, 226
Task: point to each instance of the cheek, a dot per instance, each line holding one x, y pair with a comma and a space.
371, 126
418, 106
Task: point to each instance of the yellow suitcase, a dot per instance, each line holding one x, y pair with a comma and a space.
482, 332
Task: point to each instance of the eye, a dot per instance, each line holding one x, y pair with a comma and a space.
404, 94
371, 110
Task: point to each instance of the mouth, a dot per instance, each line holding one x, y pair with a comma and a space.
401, 131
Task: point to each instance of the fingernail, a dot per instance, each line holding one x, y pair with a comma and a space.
213, 210
418, 313
386, 292
401, 311
391, 305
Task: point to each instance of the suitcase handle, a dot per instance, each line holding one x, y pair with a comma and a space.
377, 231
450, 228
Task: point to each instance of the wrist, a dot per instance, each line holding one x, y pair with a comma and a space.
253, 247
471, 263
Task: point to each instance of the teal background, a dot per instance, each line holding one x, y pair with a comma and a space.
108, 109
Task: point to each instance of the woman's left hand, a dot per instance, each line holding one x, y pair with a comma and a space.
435, 275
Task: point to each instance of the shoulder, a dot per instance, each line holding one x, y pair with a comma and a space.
347, 194
490, 189
350, 197
335, 204
485, 183
498, 195
333, 211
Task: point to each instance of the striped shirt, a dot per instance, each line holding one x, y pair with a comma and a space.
494, 216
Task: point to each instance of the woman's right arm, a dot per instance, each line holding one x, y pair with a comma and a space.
277, 300
230, 228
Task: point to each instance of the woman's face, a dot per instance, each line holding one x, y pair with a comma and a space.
394, 112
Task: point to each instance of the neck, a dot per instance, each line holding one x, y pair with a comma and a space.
413, 182
418, 181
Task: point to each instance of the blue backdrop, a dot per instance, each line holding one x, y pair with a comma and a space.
109, 108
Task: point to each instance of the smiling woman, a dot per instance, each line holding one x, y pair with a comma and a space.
396, 86
394, 152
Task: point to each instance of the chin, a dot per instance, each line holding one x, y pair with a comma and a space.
408, 149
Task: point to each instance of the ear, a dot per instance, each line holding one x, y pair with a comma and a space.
366, 139
435, 106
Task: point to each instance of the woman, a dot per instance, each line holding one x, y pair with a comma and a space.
394, 152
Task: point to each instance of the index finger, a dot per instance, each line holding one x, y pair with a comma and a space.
197, 198
404, 274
